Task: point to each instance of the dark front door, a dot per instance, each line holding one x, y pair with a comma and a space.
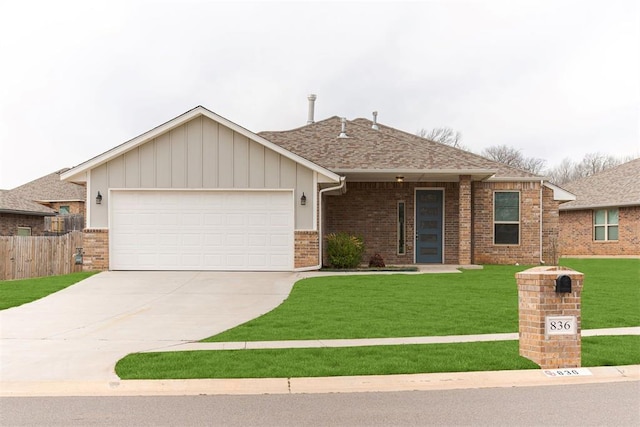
429, 208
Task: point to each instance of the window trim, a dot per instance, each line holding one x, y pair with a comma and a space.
518, 222
401, 228
606, 225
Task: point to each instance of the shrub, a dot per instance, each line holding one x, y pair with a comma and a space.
344, 250
376, 261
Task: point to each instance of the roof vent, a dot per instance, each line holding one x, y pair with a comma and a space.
312, 100
343, 131
374, 126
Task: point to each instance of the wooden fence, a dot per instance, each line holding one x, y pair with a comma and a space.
23, 257
61, 224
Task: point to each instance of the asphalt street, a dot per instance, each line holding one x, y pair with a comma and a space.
610, 404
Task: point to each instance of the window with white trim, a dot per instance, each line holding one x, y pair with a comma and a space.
605, 224
506, 217
402, 241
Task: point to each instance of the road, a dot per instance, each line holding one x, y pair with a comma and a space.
570, 405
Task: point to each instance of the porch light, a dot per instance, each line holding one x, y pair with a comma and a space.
99, 199
303, 199
399, 178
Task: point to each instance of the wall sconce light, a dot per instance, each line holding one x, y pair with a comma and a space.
399, 178
303, 199
99, 199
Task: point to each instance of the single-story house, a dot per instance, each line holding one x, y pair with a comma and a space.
605, 217
201, 192
27, 209
21, 217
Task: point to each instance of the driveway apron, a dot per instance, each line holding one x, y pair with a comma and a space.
81, 332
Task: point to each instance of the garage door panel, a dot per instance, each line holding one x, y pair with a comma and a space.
206, 230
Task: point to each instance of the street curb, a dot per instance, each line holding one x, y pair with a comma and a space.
354, 384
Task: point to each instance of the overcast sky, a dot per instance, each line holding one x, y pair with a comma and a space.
552, 78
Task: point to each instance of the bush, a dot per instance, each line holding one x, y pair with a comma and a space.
344, 250
376, 261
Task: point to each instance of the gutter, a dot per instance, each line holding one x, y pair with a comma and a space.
343, 181
541, 214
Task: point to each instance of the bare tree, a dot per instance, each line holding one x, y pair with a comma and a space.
445, 136
513, 157
590, 164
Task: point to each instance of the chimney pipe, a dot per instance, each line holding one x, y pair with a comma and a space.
312, 100
374, 126
343, 132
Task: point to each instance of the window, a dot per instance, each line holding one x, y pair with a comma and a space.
506, 218
401, 229
64, 210
605, 224
24, 231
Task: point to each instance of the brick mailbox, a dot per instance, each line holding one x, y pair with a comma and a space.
549, 316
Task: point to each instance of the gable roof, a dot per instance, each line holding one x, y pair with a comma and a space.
14, 204
617, 186
78, 173
386, 149
50, 188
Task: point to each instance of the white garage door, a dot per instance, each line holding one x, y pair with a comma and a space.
201, 230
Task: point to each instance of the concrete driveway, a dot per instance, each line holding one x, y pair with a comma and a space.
81, 332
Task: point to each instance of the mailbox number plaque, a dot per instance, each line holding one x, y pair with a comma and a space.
561, 325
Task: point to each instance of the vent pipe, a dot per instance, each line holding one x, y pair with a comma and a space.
312, 100
374, 126
343, 131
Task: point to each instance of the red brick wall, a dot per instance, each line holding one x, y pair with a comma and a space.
369, 209
528, 250
96, 249
576, 234
74, 207
9, 224
306, 249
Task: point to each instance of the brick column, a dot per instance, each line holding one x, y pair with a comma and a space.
464, 221
547, 335
306, 249
96, 249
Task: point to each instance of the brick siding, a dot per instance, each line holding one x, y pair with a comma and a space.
369, 209
306, 249
576, 234
96, 249
9, 224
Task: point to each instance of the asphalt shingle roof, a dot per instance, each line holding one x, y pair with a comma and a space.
617, 186
383, 149
50, 188
14, 204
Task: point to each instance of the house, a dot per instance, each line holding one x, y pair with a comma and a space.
201, 192
24, 207
605, 217
21, 217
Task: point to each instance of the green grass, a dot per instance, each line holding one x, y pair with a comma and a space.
400, 305
17, 292
375, 360
473, 302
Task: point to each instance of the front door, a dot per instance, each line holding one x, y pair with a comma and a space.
429, 208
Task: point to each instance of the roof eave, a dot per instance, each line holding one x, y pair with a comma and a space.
29, 213
600, 206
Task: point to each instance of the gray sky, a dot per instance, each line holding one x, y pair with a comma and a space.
553, 78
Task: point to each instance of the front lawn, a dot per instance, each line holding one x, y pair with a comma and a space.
17, 292
400, 305
375, 360
474, 302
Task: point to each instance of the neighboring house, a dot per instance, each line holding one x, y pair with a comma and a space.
200, 192
21, 217
25, 206
605, 217
63, 197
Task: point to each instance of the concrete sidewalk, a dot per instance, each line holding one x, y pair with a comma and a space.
256, 345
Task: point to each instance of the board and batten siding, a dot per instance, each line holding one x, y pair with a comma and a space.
203, 154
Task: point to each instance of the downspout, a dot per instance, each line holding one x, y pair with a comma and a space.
324, 190
541, 214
